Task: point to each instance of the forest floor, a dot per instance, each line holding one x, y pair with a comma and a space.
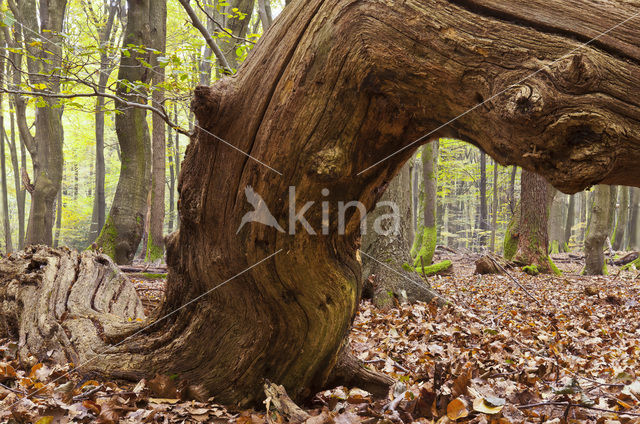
494, 354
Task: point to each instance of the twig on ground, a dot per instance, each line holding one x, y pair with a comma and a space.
515, 281
576, 405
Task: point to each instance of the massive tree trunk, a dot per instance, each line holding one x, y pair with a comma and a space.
334, 87
123, 228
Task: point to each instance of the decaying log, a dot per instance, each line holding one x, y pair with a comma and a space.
487, 264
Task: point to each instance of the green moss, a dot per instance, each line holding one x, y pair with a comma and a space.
417, 242
151, 276
635, 263
510, 245
554, 269
555, 247
531, 269
435, 268
154, 252
108, 237
428, 248
604, 268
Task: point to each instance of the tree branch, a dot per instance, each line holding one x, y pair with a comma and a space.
212, 44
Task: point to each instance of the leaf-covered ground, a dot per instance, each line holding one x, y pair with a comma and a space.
493, 355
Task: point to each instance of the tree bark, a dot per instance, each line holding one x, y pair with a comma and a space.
555, 223
385, 247
622, 218
484, 216
633, 230
527, 239
494, 209
568, 226
598, 231
106, 41
42, 40
122, 232
425, 243
3, 162
338, 74
155, 242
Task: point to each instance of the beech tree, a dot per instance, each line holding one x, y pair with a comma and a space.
333, 96
123, 228
527, 239
599, 229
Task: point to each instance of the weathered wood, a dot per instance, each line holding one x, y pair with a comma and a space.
334, 87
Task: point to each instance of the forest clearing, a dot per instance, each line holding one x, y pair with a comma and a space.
319, 211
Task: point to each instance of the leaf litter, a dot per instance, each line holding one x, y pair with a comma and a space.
491, 356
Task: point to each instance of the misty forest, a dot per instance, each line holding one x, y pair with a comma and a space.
319, 211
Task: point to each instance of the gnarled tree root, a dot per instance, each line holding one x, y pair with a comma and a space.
350, 372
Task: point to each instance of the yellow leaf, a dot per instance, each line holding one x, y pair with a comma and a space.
457, 409
480, 405
47, 419
163, 400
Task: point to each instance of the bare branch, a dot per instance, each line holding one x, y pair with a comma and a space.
212, 44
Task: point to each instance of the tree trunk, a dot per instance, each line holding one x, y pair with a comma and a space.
425, 243
155, 242
56, 236
172, 179
385, 247
484, 216
3, 162
632, 230
598, 231
338, 74
568, 226
122, 232
43, 62
555, 228
622, 218
527, 241
512, 190
105, 39
494, 208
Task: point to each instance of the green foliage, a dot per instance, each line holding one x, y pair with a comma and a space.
554, 269
531, 269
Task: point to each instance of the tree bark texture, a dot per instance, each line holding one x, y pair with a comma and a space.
155, 241
568, 225
598, 231
332, 88
387, 253
122, 232
42, 39
526, 243
425, 243
622, 218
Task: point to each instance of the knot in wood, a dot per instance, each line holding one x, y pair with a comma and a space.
575, 74
523, 103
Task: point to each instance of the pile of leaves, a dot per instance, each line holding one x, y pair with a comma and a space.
493, 354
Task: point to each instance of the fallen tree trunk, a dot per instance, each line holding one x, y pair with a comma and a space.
333, 88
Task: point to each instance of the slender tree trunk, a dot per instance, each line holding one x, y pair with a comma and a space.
43, 62
512, 190
172, 178
632, 230
568, 226
494, 208
106, 42
155, 242
337, 73
56, 236
264, 9
122, 232
555, 225
425, 243
3, 165
484, 216
622, 218
598, 231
